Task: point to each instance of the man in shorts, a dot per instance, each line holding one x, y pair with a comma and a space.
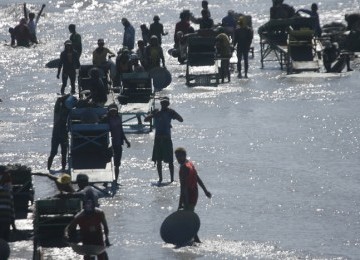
163, 147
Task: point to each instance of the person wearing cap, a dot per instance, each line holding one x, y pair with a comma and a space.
163, 146
20, 34
62, 182
117, 136
60, 132
154, 54
100, 55
69, 63
129, 34
7, 212
84, 190
32, 24
243, 37
157, 29
75, 38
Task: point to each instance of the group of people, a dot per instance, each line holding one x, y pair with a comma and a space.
24, 34
91, 220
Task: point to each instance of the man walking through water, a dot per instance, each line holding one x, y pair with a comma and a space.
163, 146
189, 180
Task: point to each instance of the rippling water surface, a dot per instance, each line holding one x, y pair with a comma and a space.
280, 154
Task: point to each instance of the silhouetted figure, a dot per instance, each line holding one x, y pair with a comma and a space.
32, 24
157, 29
69, 63
242, 41
75, 38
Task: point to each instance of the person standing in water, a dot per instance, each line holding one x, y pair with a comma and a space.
163, 146
69, 63
189, 181
243, 37
93, 227
60, 132
75, 38
32, 24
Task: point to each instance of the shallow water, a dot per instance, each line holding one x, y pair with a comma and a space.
280, 154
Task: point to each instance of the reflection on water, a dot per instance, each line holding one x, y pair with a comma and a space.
280, 154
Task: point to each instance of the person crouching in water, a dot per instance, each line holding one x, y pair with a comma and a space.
334, 60
117, 137
93, 227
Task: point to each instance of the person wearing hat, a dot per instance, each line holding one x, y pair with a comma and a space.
60, 132
117, 136
243, 37
62, 182
157, 29
129, 34
69, 63
75, 38
154, 54
163, 146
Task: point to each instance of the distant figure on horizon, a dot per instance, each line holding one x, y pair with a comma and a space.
32, 24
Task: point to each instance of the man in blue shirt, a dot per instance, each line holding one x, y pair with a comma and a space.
163, 146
